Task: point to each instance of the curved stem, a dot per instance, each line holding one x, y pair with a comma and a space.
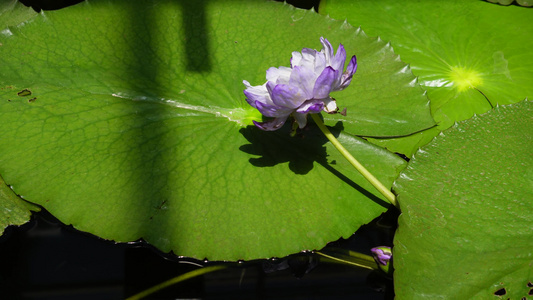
175, 280
363, 260
357, 165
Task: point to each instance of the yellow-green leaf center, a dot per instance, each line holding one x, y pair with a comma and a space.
464, 78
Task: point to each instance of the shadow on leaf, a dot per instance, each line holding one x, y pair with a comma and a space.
277, 147
300, 151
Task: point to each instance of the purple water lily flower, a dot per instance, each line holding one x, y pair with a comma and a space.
382, 254
303, 88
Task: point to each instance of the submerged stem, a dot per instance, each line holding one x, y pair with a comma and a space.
357, 259
172, 281
357, 165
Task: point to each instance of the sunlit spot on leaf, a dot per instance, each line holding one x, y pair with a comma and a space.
464, 78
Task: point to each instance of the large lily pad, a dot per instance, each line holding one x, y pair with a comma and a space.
127, 120
466, 228
467, 54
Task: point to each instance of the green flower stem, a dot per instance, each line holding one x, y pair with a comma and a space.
358, 166
172, 281
356, 259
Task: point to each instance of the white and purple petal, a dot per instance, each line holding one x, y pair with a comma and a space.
320, 62
324, 83
288, 96
337, 62
296, 58
256, 93
272, 111
327, 48
308, 54
279, 75
348, 74
311, 106
304, 78
301, 119
271, 125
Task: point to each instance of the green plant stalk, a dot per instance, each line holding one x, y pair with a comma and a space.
183, 277
356, 164
356, 259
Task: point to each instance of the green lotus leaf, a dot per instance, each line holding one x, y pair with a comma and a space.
467, 218
467, 54
127, 120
